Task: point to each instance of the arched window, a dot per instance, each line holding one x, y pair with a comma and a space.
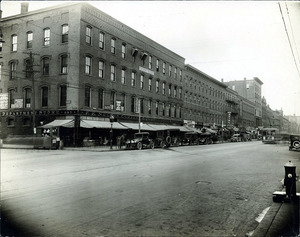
29, 39
46, 38
88, 35
65, 33
14, 43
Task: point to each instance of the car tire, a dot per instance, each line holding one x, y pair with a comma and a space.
152, 145
139, 146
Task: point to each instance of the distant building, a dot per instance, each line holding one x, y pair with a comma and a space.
251, 90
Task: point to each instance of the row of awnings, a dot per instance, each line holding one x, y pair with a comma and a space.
69, 123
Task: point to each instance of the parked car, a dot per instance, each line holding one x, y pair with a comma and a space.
166, 138
140, 141
294, 142
236, 138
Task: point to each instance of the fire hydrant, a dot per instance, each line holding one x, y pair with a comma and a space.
290, 180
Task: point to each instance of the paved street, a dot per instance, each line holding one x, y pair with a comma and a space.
209, 190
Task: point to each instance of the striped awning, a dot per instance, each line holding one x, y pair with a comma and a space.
68, 123
100, 124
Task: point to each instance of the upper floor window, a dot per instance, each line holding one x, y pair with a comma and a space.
11, 94
14, 42
27, 98
63, 95
157, 86
132, 104
149, 106
101, 40
164, 88
113, 46
88, 65
150, 84
44, 94
170, 70
46, 40
87, 96
64, 64
12, 70
133, 79
123, 50
156, 107
29, 40
28, 68
169, 90
175, 72
101, 69
150, 62
65, 33
45, 66
123, 76
100, 98
157, 65
88, 35
180, 74
112, 99
142, 82
112, 72
164, 68
175, 91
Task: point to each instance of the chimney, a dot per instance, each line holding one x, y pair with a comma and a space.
222, 80
24, 7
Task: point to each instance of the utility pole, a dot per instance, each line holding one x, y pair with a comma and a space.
31, 72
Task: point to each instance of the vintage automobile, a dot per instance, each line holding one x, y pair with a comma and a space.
236, 138
166, 138
294, 142
140, 140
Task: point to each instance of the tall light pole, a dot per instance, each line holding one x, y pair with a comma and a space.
111, 119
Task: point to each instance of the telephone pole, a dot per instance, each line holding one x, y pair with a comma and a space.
31, 72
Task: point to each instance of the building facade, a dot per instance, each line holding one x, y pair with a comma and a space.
251, 90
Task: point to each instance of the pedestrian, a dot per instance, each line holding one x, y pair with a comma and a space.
119, 142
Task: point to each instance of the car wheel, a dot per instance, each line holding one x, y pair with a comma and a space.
152, 145
139, 146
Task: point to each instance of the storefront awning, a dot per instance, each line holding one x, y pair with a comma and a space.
157, 127
68, 123
180, 128
100, 124
193, 130
135, 126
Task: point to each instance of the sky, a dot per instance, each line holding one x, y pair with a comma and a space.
229, 40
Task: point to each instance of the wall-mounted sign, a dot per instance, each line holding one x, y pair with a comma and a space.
18, 104
3, 100
146, 70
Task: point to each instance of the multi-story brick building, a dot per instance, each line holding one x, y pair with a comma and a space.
251, 90
75, 62
74, 67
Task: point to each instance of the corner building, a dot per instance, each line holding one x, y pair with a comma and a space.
73, 62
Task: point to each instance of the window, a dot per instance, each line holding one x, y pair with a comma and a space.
88, 35
11, 98
170, 70
175, 72
0, 71
132, 104
101, 69
169, 89
87, 96
150, 62
233, 87
27, 97
46, 40
44, 96
123, 50
164, 88
63, 95
12, 70
121, 103
101, 40
133, 74
112, 72
64, 33
10, 122
28, 68
113, 46
112, 99
156, 107
29, 40
150, 84
142, 82
142, 105
149, 106
180, 75
26, 121
157, 65
164, 68
157, 86
163, 109
175, 91
123, 76
100, 98
14, 43
45, 66
88, 65
64, 64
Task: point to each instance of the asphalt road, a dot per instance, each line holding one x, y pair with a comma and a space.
208, 190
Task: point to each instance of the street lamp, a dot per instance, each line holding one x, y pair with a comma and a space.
111, 119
